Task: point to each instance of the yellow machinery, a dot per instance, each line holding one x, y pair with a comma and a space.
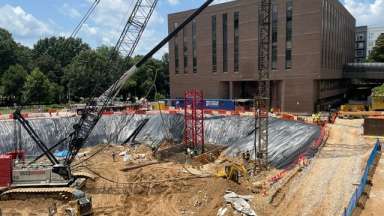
233, 171
377, 103
352, 108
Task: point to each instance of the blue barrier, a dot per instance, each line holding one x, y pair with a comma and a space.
361, 187
213, 104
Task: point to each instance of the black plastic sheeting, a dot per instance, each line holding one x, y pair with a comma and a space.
287, 139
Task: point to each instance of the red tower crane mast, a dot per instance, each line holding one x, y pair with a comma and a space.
194, 120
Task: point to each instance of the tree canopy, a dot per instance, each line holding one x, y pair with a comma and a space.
37, 88
378, 91
57, 69
13, 81
377, 54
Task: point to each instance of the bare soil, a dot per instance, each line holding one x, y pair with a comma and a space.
173, 188
326, 186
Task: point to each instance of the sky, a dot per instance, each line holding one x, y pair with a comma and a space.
30, 20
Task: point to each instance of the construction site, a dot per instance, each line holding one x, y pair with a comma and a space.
157, 158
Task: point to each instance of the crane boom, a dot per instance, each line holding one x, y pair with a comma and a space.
92, 114
126, 45
135, 26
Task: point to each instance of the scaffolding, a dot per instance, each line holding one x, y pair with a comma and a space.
194, 120
262, 100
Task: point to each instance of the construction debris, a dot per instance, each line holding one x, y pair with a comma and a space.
239, 203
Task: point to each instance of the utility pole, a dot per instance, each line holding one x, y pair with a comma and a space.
262, 100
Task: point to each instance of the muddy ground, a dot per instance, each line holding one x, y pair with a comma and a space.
161, 188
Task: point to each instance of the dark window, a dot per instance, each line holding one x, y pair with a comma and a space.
288, 52
236, 40
214, 44
225, 43
274, 35
176, 50
274, 57
194, 54
185, 50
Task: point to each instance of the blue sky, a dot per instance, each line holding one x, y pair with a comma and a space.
30, 20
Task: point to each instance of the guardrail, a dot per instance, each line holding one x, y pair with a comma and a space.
361, 187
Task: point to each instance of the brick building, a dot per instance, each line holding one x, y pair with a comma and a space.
311, 40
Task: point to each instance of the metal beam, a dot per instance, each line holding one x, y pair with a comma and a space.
262, 100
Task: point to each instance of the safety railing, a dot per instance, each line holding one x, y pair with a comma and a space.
361, 187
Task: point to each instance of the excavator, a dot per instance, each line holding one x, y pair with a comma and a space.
55, 179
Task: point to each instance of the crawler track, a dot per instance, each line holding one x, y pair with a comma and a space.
62, 193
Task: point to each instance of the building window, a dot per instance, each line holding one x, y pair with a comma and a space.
288, 51
176, 50
359, 53
185, 50
274, 35
214, 44
236, 40
194, 54
225, 43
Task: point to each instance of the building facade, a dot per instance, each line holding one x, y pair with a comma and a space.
361, 44
366, 37
311, 40
373, 34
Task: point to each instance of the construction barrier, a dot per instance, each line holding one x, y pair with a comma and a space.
361, 187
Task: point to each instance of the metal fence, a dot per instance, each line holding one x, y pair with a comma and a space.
361, 187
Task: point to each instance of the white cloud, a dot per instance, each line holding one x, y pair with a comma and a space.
69, 11
22, 25
175, 2
366, 13
108, 20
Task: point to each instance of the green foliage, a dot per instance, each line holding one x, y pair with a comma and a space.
37, 88
378, 91
63, 50
87, 75
57, 67
13, 80
143, 82
12, 53
377, 54
159, 96
7, 50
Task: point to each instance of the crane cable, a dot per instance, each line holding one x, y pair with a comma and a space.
85, 18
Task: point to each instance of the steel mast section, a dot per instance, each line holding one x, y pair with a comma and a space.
135, 26
262, 100
92, 114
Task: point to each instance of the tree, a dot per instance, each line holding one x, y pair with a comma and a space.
377, 54
378, 91
50, 67
13, 81
12, 53
7, 50
37, 88
151, 80
63, 50
88, 71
